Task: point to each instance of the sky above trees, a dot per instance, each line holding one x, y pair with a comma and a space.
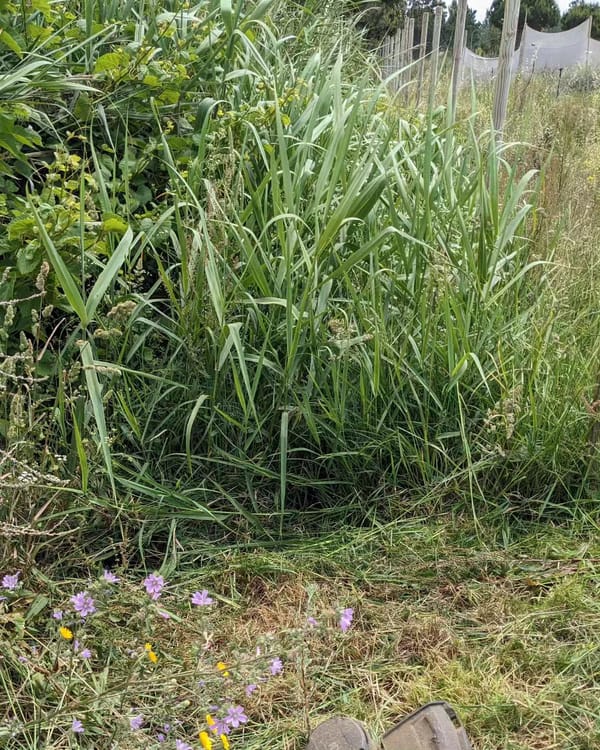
482, 6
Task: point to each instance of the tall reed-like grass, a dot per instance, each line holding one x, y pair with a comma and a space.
346, 301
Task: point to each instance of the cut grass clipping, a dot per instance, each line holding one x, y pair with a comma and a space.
508, 636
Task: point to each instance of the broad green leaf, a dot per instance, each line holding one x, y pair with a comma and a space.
95, 393
109, 273
62, 272
8, 41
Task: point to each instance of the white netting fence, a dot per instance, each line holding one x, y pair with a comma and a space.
538, 52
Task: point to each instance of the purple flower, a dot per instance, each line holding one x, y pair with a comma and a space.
10, 582
57, 614
154, 585
136, 722
346, 619
164, 615
160, 737
236, 716
181, 745
23, 659
83, 604
85, 654
76, 645
276, 666
312, 622
201, 598
251, 688
220, 726
77, 727
110, 577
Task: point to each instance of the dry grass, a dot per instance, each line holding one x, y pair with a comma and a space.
506, 635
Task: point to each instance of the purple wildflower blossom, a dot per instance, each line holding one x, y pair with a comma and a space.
220, 726
164, 615
136, 722
312, 622
110, 577
160, 737
76, 645
236, 716
154, 585
85, 654
83, 604
346, 619
251, 688
276, 666
77, 727
57, 614
23, 659
10, 582
201, 598
181, 745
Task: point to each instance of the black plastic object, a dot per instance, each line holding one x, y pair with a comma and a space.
432, 727
340, 733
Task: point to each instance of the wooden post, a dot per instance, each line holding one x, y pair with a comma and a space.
459, 44
422, 53
587, 54
505, 58
398, 42
435, 52
410, 41
402, 55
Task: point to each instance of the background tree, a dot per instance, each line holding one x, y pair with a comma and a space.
416, 9
577, 13
472, 27
542, 15
378, 18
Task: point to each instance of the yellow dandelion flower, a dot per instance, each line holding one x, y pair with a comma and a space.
209, 720
205, 740
222, 667
147, 647
65, 633
153, 657
225, 742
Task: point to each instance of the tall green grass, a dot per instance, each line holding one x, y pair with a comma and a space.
346, 304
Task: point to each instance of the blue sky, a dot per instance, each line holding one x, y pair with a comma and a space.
481, 7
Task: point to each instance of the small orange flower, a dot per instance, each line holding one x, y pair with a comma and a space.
205, 740
65, 633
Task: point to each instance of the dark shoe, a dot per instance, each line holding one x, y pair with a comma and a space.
432, 727
340, 733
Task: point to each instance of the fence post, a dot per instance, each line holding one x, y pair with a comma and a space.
395, 57
507, 48
435, 52
402, 54
422, 53
410, 41
459, 43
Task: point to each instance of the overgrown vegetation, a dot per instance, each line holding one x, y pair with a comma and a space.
238, 281
246, 298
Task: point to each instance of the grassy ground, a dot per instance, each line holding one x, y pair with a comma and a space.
503, 628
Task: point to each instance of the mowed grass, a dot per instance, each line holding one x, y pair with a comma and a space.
505, 629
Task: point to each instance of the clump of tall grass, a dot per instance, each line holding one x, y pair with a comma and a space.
342, 301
